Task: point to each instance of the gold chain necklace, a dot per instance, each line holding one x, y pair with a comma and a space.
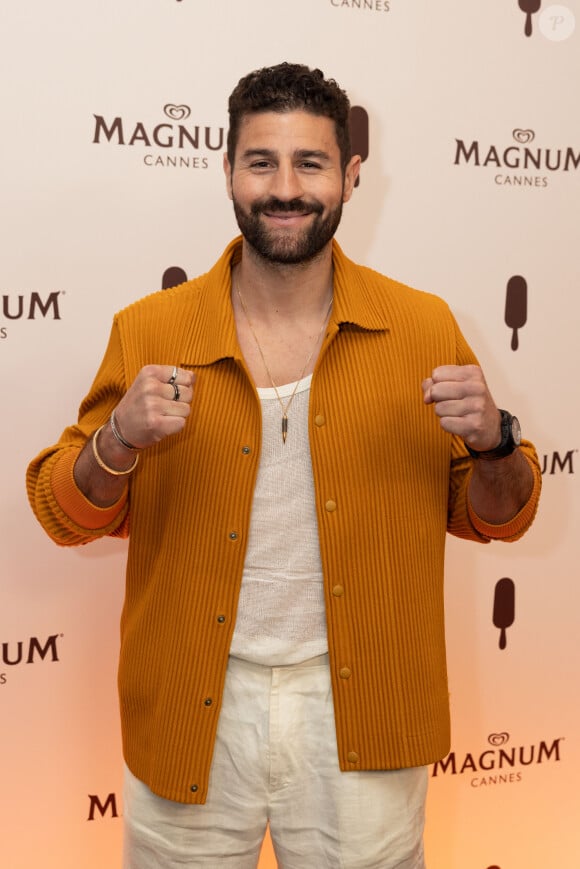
285, 407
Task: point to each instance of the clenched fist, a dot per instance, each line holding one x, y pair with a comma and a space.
464, 404
156, 405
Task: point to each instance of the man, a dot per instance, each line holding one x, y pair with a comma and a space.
262, 433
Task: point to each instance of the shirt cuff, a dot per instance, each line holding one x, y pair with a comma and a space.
517, 526
72, 501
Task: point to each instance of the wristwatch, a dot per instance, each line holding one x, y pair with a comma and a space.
511, 437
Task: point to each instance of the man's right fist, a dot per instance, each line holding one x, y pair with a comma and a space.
156, 405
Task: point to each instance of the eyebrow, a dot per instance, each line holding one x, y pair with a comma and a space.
301, 154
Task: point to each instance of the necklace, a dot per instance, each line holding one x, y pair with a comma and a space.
285, 407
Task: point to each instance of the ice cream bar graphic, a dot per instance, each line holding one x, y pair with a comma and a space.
530, 7
172, 276
504, 608
516, 306
359, 133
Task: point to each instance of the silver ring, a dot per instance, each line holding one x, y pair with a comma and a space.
173, 377
177, 395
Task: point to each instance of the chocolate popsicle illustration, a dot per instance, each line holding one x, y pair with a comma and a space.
516, 306
530, 7
173, 276
504, 607
359, 134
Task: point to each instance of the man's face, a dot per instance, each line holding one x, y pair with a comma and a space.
287, 184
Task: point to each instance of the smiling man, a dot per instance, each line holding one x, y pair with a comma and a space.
288, 439
311, 182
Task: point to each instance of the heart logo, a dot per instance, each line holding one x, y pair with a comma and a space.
497, 739
177, 113
523, 137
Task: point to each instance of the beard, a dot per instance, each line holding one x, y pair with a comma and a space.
282, 247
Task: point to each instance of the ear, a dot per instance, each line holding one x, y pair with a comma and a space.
350, 176
228, 174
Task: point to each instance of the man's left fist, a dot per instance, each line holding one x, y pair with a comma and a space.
464, 404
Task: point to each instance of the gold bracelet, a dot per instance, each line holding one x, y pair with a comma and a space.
102, 464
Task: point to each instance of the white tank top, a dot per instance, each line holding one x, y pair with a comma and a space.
281, 614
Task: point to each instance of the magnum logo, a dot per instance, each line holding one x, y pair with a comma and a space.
516, 307
504, 608
498, 764
170, 134
529, 8
509, 161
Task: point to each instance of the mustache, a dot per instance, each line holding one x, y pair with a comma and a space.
286, 207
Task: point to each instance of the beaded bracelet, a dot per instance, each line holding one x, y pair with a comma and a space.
118, 434
103, 464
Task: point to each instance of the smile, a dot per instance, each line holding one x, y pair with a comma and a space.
286, 217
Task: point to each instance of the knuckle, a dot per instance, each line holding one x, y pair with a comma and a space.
148, 371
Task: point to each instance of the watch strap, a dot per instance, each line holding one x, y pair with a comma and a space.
510, 439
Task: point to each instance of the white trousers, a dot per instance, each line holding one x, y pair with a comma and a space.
275, 761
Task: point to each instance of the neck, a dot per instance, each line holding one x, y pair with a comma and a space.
274, 289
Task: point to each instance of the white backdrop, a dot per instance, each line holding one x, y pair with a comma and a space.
471, 179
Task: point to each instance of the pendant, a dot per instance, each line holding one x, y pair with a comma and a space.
284, 428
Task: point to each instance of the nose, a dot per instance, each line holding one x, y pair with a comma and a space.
286, 183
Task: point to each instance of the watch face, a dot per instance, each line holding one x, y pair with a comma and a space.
516, 431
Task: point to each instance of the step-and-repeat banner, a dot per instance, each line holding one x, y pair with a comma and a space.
113, 129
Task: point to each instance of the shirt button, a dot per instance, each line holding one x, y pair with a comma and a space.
233, 535
246, 451
345, 673
330, 506
221, 619
338, 590
352, 757
319, 420
208, 701
194, 789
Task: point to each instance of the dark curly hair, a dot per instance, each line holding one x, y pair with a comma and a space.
288, 87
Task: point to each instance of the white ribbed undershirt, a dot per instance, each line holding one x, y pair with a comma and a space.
281, 613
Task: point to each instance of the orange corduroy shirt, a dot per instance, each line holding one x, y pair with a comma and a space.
389, 483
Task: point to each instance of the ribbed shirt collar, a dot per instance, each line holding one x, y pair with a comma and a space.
212, 332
